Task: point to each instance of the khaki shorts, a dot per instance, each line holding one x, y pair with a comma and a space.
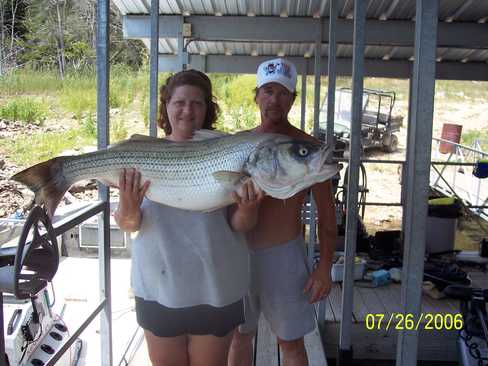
278, 277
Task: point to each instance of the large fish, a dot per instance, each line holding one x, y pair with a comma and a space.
194, 175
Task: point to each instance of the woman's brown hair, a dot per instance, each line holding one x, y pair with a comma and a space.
187, 77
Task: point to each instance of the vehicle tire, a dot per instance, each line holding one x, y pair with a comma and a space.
392, 144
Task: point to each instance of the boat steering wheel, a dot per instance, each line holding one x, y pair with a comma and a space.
26, 269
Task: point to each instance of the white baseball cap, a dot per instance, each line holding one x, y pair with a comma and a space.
278, 71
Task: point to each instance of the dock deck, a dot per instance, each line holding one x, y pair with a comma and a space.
77, 288
434, 345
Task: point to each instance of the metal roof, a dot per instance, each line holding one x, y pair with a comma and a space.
170, 46
288, 28
449, 10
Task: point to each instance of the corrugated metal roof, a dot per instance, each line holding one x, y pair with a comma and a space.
455, 11
449, 10
169, 46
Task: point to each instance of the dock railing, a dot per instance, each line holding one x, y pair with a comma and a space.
456, 178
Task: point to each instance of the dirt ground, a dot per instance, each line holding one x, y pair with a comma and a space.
384, 180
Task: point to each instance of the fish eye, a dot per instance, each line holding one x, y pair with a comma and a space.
303, 151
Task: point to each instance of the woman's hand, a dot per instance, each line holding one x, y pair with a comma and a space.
131, 194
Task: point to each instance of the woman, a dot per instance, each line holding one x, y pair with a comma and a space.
190, 269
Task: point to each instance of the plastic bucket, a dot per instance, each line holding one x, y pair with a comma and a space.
450, 132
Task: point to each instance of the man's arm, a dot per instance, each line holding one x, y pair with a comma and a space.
320, 282
243, 215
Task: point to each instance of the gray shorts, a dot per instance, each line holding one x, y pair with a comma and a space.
278, 277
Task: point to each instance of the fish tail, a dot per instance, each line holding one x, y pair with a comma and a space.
47, 181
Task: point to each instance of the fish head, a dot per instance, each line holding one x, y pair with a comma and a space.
284, 166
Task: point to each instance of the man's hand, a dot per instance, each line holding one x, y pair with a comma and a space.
319, 283
248, 196
245, 213
131, 195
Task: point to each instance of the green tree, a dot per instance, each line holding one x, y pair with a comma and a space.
61, 34
46, 22
239, 100
12, 14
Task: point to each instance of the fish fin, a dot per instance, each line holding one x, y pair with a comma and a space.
47, 181
230, 179
140, 137
200, 135
135, 138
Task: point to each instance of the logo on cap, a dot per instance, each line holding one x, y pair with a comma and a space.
278, 71
278, 68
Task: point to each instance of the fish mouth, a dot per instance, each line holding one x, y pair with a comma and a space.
326, 168
325, 154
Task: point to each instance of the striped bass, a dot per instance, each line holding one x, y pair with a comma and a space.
192, 175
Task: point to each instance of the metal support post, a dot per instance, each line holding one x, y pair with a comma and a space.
103, 19
317, 72
331, 71
153, 78
345, 342
418, 172
316, 103
404, 180
3, 356
331, 85
182, 52
303, 96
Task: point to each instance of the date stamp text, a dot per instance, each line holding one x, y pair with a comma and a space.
401, 321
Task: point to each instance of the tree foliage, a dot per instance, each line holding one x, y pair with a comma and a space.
59, 34
12, 15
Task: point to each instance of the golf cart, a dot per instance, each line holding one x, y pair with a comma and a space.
377, 126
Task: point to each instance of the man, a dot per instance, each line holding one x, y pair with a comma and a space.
282, 288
